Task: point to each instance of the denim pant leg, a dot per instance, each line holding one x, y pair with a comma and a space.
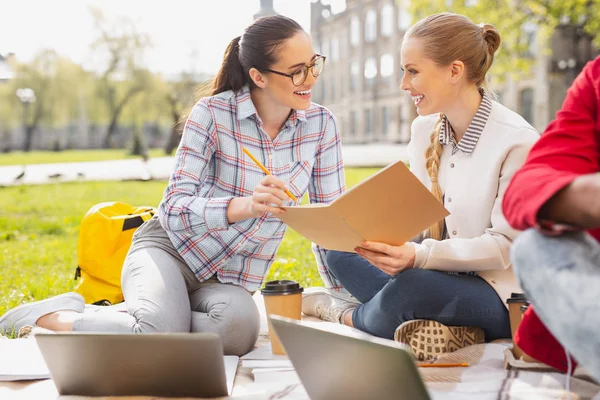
456, 300
356, 274
561, 277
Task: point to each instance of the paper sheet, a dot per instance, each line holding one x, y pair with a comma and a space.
267, 364
263, 353
21, 359
231, 364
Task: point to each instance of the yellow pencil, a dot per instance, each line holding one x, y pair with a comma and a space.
266, 171
464, 364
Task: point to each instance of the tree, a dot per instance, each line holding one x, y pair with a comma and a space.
148, 107
122, 78
8, 114
516, 19
57, 83
180, 96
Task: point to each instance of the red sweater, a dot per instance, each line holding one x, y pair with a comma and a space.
570, 147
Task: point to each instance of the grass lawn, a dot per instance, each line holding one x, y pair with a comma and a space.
65, 156
39, 227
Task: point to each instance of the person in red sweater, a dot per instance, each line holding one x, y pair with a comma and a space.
555, 197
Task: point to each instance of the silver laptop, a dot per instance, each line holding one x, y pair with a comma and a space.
157, 364
348, 364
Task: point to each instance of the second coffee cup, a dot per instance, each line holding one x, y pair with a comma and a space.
282, 298
515, 314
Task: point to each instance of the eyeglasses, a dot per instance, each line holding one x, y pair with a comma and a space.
299, 76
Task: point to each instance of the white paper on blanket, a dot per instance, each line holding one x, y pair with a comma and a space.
21, 359
286, 377
267, 364
263, 353
231, 364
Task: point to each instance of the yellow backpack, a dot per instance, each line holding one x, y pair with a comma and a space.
104, 240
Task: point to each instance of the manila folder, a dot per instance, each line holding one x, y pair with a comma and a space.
391, 207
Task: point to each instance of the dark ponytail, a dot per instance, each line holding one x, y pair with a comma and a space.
256, 48
231, 74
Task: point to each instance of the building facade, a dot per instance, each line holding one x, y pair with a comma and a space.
361, 81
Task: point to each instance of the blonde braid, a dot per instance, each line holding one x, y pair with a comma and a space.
433, 154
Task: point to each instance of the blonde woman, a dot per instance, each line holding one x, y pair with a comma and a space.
465, 147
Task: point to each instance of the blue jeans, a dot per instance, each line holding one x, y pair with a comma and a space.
458, 300
561, 278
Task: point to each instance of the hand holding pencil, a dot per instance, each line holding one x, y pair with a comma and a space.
266, 171
270, 191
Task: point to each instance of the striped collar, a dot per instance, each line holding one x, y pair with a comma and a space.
471, 136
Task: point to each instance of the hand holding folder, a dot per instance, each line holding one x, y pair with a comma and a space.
391, 207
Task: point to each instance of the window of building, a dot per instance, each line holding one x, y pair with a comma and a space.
529, 33
333, 89
526, 104
500, 96
387, 19
370, 71
344, 45
371, 26
387, 65
325, 48
385, 116
354, 75
400, 122
335, 49
368, 123
352, 124
354, 31
403, 15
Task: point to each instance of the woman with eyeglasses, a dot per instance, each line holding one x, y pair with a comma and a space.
195, 265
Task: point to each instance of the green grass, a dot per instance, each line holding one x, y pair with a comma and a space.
39, 227
65, 156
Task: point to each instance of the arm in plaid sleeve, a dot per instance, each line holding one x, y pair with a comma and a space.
181, 209
327, 183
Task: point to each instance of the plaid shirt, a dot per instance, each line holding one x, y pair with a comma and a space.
211, 169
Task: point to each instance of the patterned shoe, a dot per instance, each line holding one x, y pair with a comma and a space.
326, 304
429, 338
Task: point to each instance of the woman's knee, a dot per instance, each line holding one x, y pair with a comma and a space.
405, 297
524, 250
340, 262
335, 259
241, 329
534, 253
152, 319
229, 311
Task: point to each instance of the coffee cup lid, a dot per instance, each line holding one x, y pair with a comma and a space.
516, 298
283, 287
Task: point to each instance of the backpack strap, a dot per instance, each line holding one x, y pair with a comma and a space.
132, 223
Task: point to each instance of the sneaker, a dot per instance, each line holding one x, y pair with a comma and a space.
428, 338
326, 304
28, 314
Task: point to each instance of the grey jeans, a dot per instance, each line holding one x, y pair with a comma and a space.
561, 277
163, 295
